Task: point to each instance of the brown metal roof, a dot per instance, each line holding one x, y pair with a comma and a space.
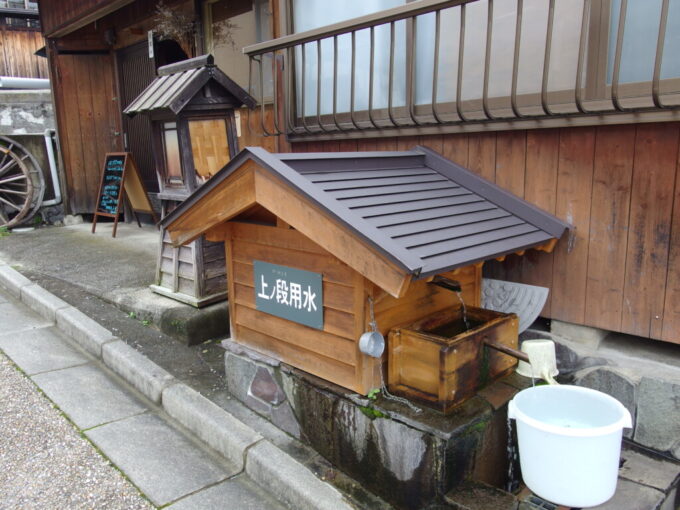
418, 208
177, 84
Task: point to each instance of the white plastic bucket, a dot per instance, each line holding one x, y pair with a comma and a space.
569, 442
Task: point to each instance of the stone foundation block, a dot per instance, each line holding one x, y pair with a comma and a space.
609, 381
658, 415
581, 334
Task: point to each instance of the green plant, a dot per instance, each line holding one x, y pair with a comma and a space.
4, 232
146, 322
372, 413
132, 315
373, 394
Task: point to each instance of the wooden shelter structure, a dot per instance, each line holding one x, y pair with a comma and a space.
191, 106
374, 225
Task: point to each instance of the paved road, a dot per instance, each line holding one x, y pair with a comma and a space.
47, 457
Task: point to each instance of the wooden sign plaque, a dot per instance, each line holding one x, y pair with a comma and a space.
121, 179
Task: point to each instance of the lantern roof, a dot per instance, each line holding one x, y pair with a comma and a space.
196, 81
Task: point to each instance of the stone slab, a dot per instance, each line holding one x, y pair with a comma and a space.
238, 492
89, 334
41, 350
158, 459
655, 473
88, 396
217, 428
42, 302
290, 482
634, 496
138, 370
17, 318
658, 414
12, 280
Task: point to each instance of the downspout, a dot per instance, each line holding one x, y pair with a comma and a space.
53, 169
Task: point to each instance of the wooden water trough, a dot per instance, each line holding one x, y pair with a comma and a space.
319, 244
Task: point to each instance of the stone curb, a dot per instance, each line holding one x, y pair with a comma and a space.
212, 424
289, 481
89, 334
270, 467
13, 280
42, 301
136, 369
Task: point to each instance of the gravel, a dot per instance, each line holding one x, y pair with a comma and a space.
44, 461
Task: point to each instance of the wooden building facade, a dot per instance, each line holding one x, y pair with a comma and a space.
612, 172
620, 188
608, 164
99, 60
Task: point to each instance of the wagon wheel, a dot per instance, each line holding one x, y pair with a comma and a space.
16, 188
15, 159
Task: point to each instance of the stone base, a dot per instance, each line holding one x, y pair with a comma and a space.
410, 459
654, 404
187, 299
584, 335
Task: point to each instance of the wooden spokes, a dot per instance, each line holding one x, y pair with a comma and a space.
16, 188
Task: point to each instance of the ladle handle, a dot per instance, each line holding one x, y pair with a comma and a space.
507, 350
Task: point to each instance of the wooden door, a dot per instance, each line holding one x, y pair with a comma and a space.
88, 119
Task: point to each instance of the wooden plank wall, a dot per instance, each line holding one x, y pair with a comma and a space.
88, 120
17, 58
333, 353
55, 14
618, 185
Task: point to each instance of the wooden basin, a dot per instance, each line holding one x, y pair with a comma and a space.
438, 362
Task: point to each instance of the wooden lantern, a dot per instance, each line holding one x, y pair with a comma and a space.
191, 105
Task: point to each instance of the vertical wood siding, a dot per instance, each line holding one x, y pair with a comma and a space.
618, 185
17, 54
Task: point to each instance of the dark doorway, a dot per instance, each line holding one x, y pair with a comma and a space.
135, 71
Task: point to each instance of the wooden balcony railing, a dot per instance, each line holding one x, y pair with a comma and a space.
457, 65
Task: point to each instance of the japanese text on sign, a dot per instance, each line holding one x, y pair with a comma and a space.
289, 293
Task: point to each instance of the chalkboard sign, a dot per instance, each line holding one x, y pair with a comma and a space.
112, 184
120, 179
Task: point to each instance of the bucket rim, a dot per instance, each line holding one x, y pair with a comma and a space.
514, 412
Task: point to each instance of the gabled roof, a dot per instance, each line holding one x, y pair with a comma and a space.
177, 84
418, 209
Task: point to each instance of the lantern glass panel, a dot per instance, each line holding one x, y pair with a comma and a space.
209, 146
173, 165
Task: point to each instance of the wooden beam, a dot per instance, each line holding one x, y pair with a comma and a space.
222, 204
